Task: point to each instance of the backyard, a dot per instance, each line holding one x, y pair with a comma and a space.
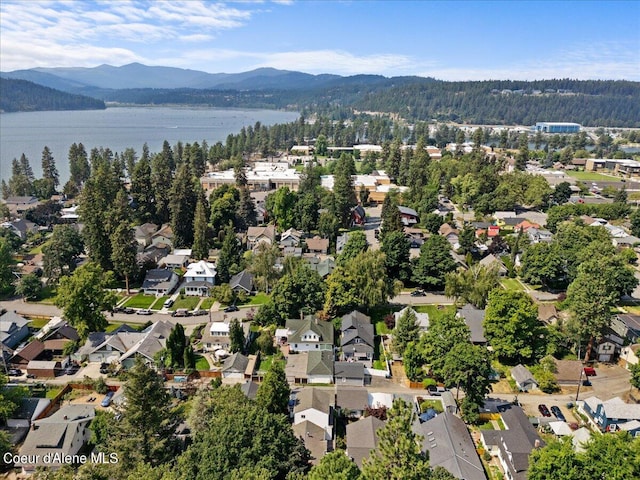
511, 284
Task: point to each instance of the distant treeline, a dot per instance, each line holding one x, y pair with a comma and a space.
24, 96
590, 103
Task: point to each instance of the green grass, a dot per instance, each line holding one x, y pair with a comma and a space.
486, 426
511, 284
434, 311
258, 299
379, 365
202, 363
113, 325
207, 303
590, 176
187, 302
47, 295
159, 303
52, 392
140, 301
38, 322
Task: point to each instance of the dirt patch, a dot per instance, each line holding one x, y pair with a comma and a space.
397, 373
502, 386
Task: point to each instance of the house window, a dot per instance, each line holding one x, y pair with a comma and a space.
316, 346
302, 416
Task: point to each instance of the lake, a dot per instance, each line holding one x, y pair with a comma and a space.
118, 128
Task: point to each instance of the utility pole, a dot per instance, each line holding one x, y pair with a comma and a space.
579, 383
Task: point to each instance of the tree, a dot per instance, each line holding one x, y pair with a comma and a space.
473, 285
262, 265
175, 345
444, 334
635, 375
523, 153
6, 266
356, 244
407, 330
124, 249
224, 207
161, 175
511, 325
246, 209
182, 206
78, 164
29, 287
189, 358
562, 193
398, 456
543, 264
200, 228
336, 466
343, 192
299, 292
434, 262
274, 392
391, 220
281, 206
83, 296
147, 421
229, 260
635, 222
141, 192
49, 172
236, 336
396, 248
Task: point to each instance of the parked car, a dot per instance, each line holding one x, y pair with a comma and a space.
231, 308
558, 413
104, 368
126, 310
106, 401
144, 311
71, 369
31, 375
168, 303
418, 293
544, 410
15, 372
197, 313
180, 312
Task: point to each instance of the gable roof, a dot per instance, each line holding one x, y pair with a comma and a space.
474, 318
351, 398
353, 319
250, 389
449, 445
165, 231
522, 375
30, 351
446, 229
268, 231
313, 437
320, 363
421, 318
157, 278
236, 363
323, 329
318, 244
244, 280
407, 211
314, 398
547, 312
351, 370
632, 322
11, 321
154, 339
491, 260
362, 438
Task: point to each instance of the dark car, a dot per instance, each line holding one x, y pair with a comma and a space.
31, 375
418, 293
557, 413
71, 369
231, 308
544, 411
197, 313
15, 372
104, 368
126, 310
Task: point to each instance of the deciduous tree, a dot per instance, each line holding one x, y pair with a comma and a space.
61, 252
433, 263
274, 392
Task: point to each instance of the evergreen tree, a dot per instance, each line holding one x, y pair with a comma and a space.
176, 343
6, 266
230, 256
200, 229
182, 206
141, 191
434, 262
343, 192
236, 336
396, 248
61, 252
189, 358
124, 248
161, 175
246, 210
407, 330
336, 466
78, 164
274, 392
49, 172
390, 217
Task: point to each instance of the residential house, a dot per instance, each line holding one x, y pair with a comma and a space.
150, 257
309, 334
628, 241
216, 337
547, 313
609, 348
64, 433
159, 282
310, 367
448, 444
239, 367
358, 215
537, 235
143, 234
525, 225
313, 438
630, 355
627, 326
451, 234
491, 261
163, 237
243, 282
256, 235
421, 318
20, 227
524, 378
57, 329
291, 238
362, 438
351, 401
250, 389
199, 278
317, 245
27, 412
409, 215
315, 406
323, 266
612, 415
474, 319
349, 373
19, 205
153, 341
513, 445
357, 338
108, 347
174, 261
14, 329
31, 351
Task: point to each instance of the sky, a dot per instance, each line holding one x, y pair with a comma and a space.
448, 40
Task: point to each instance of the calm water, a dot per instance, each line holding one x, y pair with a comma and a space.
118, 128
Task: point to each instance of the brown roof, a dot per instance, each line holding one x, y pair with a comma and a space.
568, 371
579, 161
57, 344
547, 311
445, 229
31, 351
317, 243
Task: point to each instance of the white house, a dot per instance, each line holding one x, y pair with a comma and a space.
200, 277
315, 406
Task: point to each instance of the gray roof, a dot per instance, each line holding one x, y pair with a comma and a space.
522, 375
236, 363
157, 278
449, 445
58, 433
407, 211
154, 339
352, 398
474, 318
313, 437
315, 398
491, 260
250, 389
362, 438
632, 322
353, 319
323, 329
352, 370
10, 324
244, 280
29, 407
320, 363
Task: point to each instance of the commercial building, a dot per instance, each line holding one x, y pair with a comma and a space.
557, 127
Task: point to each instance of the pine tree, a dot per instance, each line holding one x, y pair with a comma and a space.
182, 206
274, 391
200, 228
141, 191
161, 175
176, 343
78, 164
343, 192
230, 256
236, 336
246, 209
49, 170
123, 252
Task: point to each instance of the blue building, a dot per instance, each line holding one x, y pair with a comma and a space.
557, 127
613, 415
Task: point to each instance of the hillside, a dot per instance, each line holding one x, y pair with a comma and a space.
24, 96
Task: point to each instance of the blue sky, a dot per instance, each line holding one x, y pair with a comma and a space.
450, 40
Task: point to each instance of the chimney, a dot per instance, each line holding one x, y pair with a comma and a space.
537, 443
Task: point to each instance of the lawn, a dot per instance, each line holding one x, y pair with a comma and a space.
258, 299
140, 301
206, 303
187, 302
113, 325
590, 176
38, 322
511, 284
266, 362
435, 311
159, 303
52, 392
202, 363
47, 295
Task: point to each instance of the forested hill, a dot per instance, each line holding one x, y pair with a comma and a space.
24, 96
590, 103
